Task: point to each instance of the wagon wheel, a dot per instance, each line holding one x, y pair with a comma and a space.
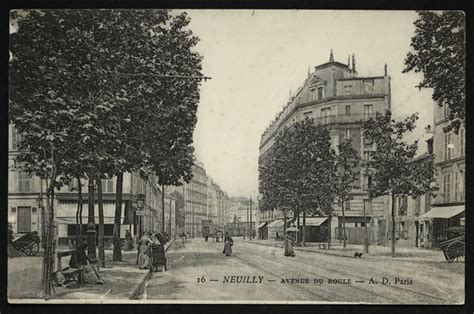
31, 249
455, 250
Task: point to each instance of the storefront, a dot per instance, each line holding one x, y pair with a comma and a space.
434, 224
316, 229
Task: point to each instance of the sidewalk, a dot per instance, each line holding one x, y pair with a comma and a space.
375, 251
121, 278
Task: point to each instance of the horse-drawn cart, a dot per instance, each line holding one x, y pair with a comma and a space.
28, 244
454, 249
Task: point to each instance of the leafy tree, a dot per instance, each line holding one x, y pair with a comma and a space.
84, 82
391, 168
347, 162
439, 53
297, 172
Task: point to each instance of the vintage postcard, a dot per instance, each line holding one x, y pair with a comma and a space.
236, 156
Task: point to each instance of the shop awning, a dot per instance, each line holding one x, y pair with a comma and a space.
261, 225
275, 224
315, 221
443, 212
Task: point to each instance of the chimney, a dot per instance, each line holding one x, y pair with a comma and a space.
331, 57
353, 63
386, 72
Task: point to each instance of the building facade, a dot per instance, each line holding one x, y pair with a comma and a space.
335, 95
26, 212
448, 207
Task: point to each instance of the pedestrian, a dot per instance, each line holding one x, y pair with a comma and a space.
143, 251
80, 260
128, 241
289, 251
228, 243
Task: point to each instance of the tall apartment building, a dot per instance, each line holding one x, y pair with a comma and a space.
335, 95
195, 200
448, 207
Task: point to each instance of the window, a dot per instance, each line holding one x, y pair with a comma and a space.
347, 134
347, 205
325, 113
320, 92
312, 94
347, 89
446, 187
368, 86
402, 205
24, 182
446, 111
461, 185
367, 141
456, 186
461, 142
367, 156
418, 204
107, 186
368, 111
447, 149
348, 110
307, 114
17, 138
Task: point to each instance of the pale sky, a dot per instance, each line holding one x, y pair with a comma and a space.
256, 57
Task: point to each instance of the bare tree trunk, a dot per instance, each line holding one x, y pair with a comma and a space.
46, 289
81, 204
79, 212
393, 225
303, 232
298, 234
163, 209
117, 255
344, 245
101, 223
329, 230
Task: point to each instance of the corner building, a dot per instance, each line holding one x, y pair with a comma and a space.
335, 95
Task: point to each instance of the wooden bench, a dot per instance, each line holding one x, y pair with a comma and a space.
69, 274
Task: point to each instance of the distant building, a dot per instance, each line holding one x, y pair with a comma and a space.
334, 95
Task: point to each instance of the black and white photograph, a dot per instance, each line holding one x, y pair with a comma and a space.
218, 156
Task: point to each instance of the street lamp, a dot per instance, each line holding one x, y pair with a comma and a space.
140, 205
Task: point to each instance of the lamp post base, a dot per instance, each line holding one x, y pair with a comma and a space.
91, 247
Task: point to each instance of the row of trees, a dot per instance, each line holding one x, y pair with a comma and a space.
304, 174
96, 93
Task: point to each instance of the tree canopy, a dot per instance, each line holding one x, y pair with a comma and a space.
298, 172
439, 52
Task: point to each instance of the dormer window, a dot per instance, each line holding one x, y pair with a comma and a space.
320, 92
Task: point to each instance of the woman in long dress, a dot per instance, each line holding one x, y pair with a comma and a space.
79, 259
289, 251
143, 252
228, 242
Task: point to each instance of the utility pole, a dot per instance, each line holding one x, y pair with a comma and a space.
250, 226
